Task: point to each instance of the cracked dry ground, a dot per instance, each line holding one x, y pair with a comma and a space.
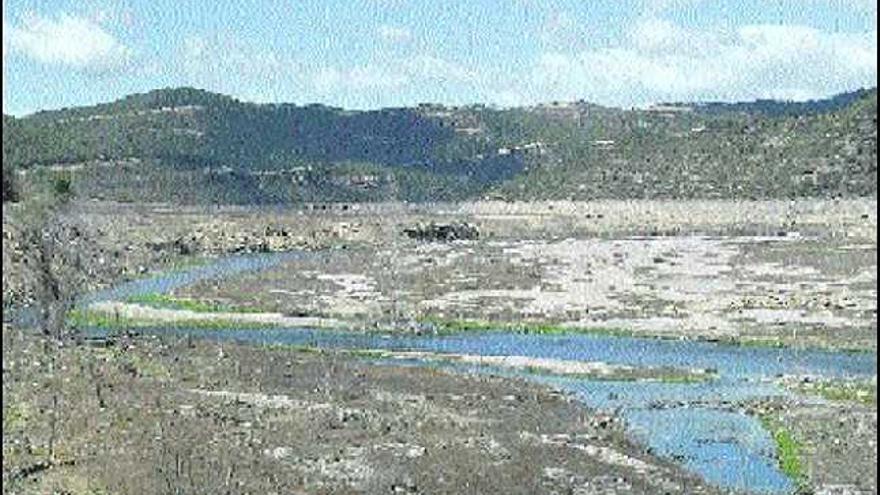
235, 419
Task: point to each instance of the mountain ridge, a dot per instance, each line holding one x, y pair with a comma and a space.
190, 95
573, 150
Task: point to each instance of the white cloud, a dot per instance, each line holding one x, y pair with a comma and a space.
658, 35
66, 40
393, 75
373, 76
231, 65
776, 39
394, 34
662, 61
220, 59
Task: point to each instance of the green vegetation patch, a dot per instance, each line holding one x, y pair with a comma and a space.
618, 376
863, 392
779, 343
100, 320
305, 349
683, 378
164, 301
456, 326
15, 416
788, 452
449, 326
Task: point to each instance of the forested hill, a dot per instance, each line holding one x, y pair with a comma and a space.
784, 108
190, 145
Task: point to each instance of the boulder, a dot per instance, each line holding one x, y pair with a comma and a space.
442, 232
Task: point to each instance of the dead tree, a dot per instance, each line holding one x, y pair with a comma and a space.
56, 271
53, 246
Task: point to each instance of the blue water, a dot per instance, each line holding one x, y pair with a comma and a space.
728, 448
166, 282
693, 424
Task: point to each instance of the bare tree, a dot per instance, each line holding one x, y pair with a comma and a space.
54, 246
54, 271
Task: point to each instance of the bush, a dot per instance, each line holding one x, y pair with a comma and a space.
10, 184
62, 187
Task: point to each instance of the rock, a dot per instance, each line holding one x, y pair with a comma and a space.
177, 246
442, 232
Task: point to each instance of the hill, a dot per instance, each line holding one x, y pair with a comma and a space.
786, 108
192, 146
676, 152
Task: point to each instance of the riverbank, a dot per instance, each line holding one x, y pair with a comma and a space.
565, 274
798, 292
797, 273
214, 417
826, 434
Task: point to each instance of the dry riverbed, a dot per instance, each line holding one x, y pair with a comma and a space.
212, 418
592, 370
793, 291
287, 421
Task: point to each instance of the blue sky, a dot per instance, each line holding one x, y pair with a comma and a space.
378, 53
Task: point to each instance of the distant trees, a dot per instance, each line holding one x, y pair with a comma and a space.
10, 189
441, 153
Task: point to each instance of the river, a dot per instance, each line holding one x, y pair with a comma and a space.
699, 425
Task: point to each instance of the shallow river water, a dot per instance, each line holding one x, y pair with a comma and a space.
695, 424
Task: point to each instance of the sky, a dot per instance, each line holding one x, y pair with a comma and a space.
363, 54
